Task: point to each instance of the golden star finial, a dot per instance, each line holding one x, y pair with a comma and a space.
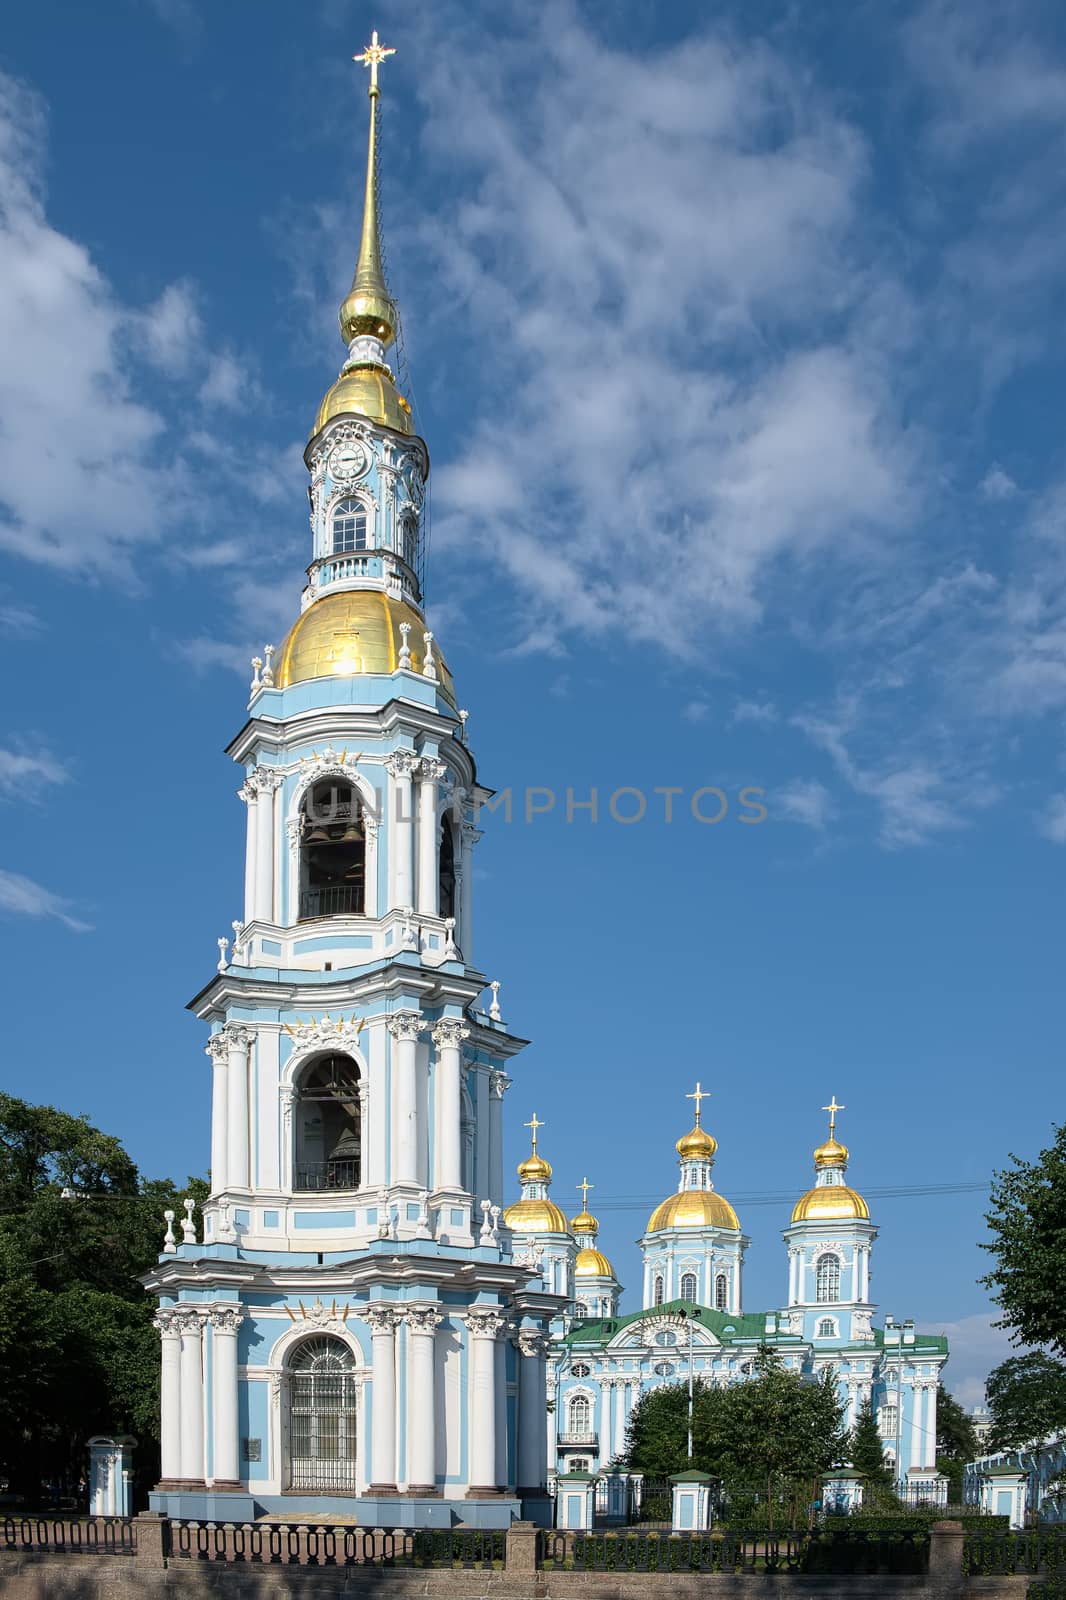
372, 57
832, 1109
534, 1123
698, 1094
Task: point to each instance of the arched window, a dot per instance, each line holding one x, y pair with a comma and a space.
826, 1328
409, 540
688, 1286
322, 1417
447, 869
332, 852
348, 527
657, 1290
327, 1124
721, 1292
827, 1280
579, 1417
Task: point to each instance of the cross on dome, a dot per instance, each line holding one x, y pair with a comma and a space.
534, 1123
832, 1109
584, 1186
698, 1094
372, 57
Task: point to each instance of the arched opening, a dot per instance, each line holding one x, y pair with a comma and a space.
447, 869
322, 1416
657, 1290
348, 527
409, 539
721, 1292
688, 1286
827, 1280
332, 852
826, 1328
579, 1417
328, 1126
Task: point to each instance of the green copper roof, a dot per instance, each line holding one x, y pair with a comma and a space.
742, 1330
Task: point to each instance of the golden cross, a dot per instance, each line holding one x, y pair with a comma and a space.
584, 1186
534, 1123
698, 1095
372, 57
832, 1109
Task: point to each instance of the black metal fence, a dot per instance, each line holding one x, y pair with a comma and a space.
812, 1552
1001, 1554
310, 1544
63, 1535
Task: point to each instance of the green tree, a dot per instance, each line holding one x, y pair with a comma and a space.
78, 1351
1028, 1223
657, 1434
866, 1450
1027, 1401
956, 1441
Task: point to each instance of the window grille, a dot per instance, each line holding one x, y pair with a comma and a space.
827, 1280
322, 1417
349, 527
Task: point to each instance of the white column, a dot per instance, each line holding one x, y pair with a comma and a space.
265, 782
224, 1324
619, 1416
190, 1326
470, 837
405, 1026
499, 1083
914, 1453
930, 1426
400, 766
551, 1432
866, 1272
484, 1325
382, 1321
218, 1049
237, 1042
448, 1036
247, 793
422, 1325
166, 1320
430, 772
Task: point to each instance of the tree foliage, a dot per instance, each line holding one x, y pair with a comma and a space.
78, 1352
774, 1432
956, 1440
866, 1450
1028, 1223
1027, 1401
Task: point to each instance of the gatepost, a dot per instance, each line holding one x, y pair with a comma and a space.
574, 1500
692, 1502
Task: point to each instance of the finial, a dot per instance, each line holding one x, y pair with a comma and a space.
832, 1109
188, 1227
268, 671
222, 944
368, 311
534, 1123
257, 667
404, 662
451, 949
698, 1094
170, 1244
584, 1186
429, 665
463, 715
494, 1008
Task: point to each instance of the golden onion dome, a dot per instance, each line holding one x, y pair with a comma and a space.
694, 1208
534, 1216
591, 1263
831, 1154
584, 1222
351, 632
831, 1202
365, 392
699, 1145
534, 1169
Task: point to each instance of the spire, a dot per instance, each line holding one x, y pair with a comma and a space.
368, 310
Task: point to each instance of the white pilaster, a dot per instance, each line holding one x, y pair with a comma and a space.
266, 782
225, 1322
619, 1417
191, 1384
405, 1027
430, 772
485, 1326
448, 1036
400, 767
167, 1322
382, 1321
499, 1083
930, 1425
218, 1049
237, 1041
422, 1325
470, 836
247, 793
551, 1432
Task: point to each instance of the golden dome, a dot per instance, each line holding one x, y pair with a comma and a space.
694, 1208
832, 1201
350, 632
534, 1216
534, 1169
831, 1154
699, 1145
365, 392
584, 1222
592, 1264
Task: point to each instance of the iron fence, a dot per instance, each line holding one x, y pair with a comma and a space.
308, 1544
1001, 1554
814, 1552
71, 1536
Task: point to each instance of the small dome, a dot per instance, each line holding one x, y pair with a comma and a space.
694, 1208
584, 1222
534, 1169
699, 1145
535, 1216
831, 1201
831, 1154
365, 392
351, 632
592, 1264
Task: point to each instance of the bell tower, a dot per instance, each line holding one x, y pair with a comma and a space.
358, 1075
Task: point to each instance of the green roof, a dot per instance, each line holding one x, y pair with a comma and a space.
743, 1330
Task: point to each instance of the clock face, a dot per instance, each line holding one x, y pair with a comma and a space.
347, 460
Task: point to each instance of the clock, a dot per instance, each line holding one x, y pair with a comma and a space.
347, 460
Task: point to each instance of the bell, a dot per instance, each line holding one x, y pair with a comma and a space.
317, 835
352, 834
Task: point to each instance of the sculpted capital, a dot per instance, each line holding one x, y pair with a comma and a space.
431, 770
424, 1319
167, 1321
217, 1048
237, 1037
406, 1025
401, 764
449, 1033
225, 1319
485, 1323
381, 1319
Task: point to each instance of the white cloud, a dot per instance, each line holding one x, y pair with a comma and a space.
25, 772
695, 711
227, 384
975, 1348
997, 485
1052, 824
22, 897
804, 800
758, 711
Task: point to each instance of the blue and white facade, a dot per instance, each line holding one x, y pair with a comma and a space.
354, 1333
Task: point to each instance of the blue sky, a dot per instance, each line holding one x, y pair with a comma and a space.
737, 339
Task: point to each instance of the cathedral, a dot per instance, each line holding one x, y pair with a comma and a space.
358, 1329
692, 1325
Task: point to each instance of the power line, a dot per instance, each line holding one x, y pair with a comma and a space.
933, 1191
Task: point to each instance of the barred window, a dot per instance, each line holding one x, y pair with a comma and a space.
349, 526
827, 1280
688, 1286
721, 1292
657, 1290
